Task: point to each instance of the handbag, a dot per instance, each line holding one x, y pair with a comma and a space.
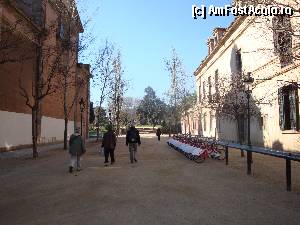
101, 151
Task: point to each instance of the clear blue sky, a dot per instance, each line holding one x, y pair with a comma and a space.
145, 32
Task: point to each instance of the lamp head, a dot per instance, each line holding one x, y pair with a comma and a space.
248, 81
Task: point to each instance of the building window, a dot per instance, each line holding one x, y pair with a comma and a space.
194, 124
239, 63
77, 47
63, 32
211, 122
217, 85
282, 38
204, 122
209, 89
288, 102
199, 98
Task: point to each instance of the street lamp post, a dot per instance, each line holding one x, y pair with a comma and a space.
109, 117
81, 103
248, 81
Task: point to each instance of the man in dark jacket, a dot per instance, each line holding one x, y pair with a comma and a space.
158, 133
76, 150
133, 139
109, 144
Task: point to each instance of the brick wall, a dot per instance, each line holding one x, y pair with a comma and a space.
13, 73
24, 70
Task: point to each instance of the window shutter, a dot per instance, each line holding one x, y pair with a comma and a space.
209, 89
294, 106
217, 85
204, 94
200, 93
281, 108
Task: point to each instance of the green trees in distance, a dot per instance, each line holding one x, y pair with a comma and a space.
152, 110
128, 111
100, 116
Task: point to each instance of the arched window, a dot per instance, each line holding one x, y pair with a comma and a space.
282, 38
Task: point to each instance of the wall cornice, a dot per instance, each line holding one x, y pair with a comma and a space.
232, 28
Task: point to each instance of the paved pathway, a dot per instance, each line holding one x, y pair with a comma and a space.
162, 188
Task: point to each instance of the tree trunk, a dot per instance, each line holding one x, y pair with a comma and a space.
65, 113
98, 124
117, 127
239, 130
34, 133
66, 134
97, 133
189, 124
36, 105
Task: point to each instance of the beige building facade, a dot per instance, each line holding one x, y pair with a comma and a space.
268, 48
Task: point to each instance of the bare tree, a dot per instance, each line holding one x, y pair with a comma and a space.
118, 89
178, 82
43, 86
103, 74
71, 48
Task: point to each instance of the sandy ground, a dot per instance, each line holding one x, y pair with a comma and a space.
162, 188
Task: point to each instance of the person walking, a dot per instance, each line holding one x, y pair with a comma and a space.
109, 142
158, 133
76, 150
132, 140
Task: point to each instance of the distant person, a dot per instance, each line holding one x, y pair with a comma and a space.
109, 142
158, 133
76, 150
133, 139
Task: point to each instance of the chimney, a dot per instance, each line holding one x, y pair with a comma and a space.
218, 34
211, 45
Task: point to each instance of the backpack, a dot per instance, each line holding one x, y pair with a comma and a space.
132, 136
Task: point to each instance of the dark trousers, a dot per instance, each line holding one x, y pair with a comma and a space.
110, 152
158, 137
